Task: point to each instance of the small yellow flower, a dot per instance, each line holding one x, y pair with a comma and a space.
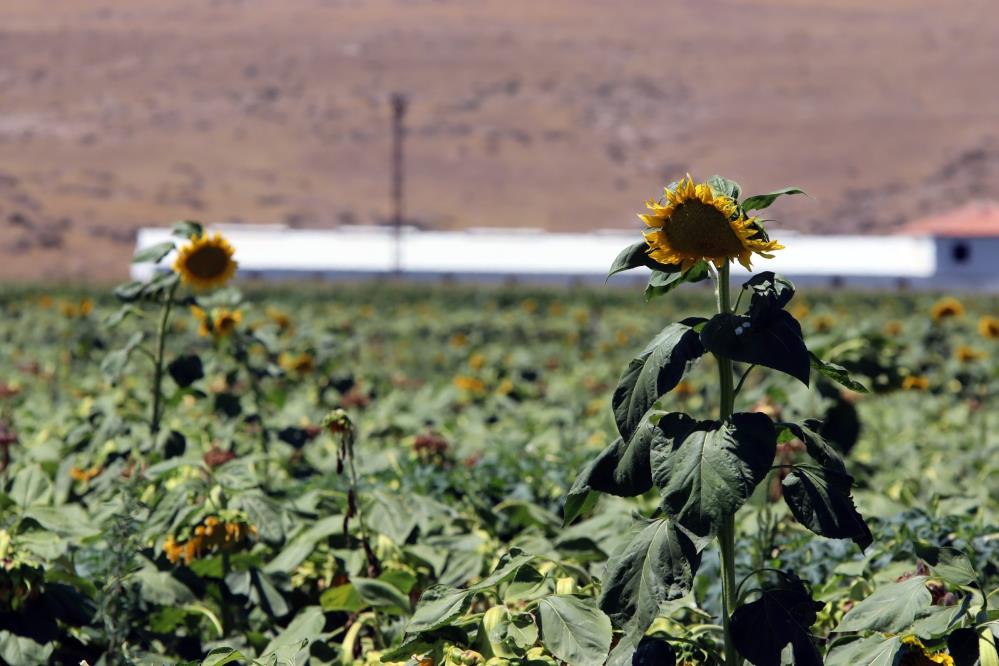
301, 363
966, 354
84, 475
916, 383
280, 319
823, 323
470, 384
458, 340
946, 308
988, 327
205, 262
476, 361
893, 328
696, 223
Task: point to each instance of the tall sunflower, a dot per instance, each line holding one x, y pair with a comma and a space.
206, 262
695, 222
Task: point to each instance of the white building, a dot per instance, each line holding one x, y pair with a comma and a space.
959, 250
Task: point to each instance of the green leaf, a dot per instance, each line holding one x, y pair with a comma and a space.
438, 606
818, 448
425, 642
31, 486
723, 185
819, 497
263, 513
661, 282
115, 362
307, 627
781, 616
836, 373
162, 589
655, 372
22, 651
342, 598
871, 651
154, 253
706, 470
774, 341
637, 255
574, 631
187, 229
620, 469
955, 568
761, 201
768, 292
221, 656
890, 609
657, 565
381, 595
69, 520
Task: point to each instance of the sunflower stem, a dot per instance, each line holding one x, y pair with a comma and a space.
726, 533
154, 421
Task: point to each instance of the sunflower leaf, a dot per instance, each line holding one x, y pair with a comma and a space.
658, 564
723, 185
662, 283
655, 372
761, 201
637, 255
187, 229
819, 497
836, 373
706, 470
763, 628
773, 341
154, 253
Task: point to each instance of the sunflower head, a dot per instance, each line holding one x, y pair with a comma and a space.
988, 327
206, 262
916, 654
219, 323
694, 222
967, 354
946, 308
916, 383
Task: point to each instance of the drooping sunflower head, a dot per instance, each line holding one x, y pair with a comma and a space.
916, 654
206, 262
694, 222
966, 354
946, 308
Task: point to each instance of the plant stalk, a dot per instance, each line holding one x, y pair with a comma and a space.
154, 421
726, 533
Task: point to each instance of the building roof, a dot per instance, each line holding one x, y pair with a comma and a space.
974, 219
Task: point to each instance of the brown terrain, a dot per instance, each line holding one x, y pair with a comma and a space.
562, 114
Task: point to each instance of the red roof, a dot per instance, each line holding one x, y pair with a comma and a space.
973, 219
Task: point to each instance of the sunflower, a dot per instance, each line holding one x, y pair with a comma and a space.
946, 308
300, 363
206, 262
916, 654
219, 323
967, 354
696, 223
988, 327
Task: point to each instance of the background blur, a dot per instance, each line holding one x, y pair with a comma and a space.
557, 114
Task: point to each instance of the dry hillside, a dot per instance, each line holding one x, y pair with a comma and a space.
563, 114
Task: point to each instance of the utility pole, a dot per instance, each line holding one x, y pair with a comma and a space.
399, 103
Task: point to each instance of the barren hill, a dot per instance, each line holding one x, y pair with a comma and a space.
564, 114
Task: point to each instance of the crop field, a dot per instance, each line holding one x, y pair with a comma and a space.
387, 473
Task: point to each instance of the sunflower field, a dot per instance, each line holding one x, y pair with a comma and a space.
193, 472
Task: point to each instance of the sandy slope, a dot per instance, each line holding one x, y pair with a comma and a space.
544, 113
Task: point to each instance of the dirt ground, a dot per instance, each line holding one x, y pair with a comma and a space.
562, 114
